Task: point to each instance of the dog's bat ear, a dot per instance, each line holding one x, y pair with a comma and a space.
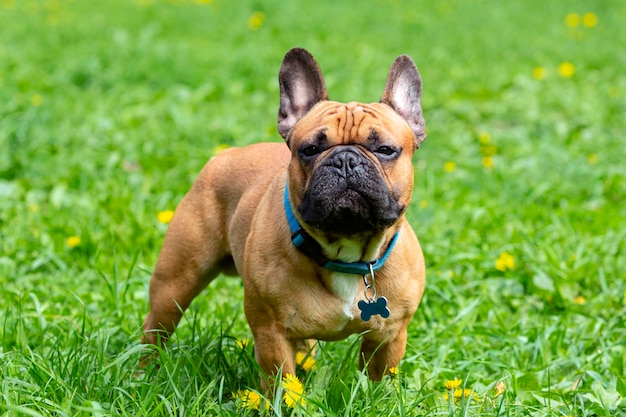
301, 87
403, 93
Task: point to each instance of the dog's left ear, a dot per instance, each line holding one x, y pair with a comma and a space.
403, 93
301, 87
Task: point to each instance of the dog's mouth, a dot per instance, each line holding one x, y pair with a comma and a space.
349, 200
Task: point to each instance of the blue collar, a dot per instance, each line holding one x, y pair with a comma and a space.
309, 246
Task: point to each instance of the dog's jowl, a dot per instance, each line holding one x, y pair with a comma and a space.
315, 226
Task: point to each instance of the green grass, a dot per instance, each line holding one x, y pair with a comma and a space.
109, 109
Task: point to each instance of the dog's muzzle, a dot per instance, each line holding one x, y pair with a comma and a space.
347, 195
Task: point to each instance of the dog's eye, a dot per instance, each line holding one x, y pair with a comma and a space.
310, 151
386, 150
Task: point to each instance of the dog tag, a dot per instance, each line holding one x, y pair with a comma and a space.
373, 307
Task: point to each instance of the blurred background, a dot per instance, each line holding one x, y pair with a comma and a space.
109, 109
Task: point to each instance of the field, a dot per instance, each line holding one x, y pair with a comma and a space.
109, 109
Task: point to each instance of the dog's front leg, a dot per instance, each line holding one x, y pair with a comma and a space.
275, 354
380, 356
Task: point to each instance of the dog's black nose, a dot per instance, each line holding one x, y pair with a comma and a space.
345, 160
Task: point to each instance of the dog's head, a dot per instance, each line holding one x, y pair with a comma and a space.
351, 171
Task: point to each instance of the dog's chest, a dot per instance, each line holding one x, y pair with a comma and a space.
331, 314
345, 287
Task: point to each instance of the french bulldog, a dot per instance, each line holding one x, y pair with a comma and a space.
315, 226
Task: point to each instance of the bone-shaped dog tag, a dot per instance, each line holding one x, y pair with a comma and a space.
373, 308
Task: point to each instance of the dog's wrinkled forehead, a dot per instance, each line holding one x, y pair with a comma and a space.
351, 123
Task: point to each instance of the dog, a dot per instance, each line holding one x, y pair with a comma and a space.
315, 226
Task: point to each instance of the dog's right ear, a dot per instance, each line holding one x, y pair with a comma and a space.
301, 87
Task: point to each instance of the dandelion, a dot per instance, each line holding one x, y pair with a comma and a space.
505, 261
580, 300
203, 2
243, 343
484, 138
294, 391
452, 384
592, 159
590, 20
73, 241
306, 362
460, 393
572, 20
250, 400
449, 166
566, 70
220, 148
165, 216
500, 387
256, 20
539, 73
488, 162
36, 100
393, 371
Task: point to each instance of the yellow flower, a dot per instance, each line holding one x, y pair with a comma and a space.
460, 393
204, 1
250, 399
165, 216
592, 158
449, 166
256, 20
539, 73
500, 387
36, 100
306, 362
566, 69
484, 138
220, 148
590, 19
580, 300
453, 384
572, 20
73, 241
505, 261
393, 371
243, 343
488, 162
423, 203
294, 391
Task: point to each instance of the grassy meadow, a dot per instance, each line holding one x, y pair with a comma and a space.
110, 108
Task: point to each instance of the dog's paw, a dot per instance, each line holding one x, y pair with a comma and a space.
373, 308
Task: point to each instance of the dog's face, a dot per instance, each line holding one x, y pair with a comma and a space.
351, 171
